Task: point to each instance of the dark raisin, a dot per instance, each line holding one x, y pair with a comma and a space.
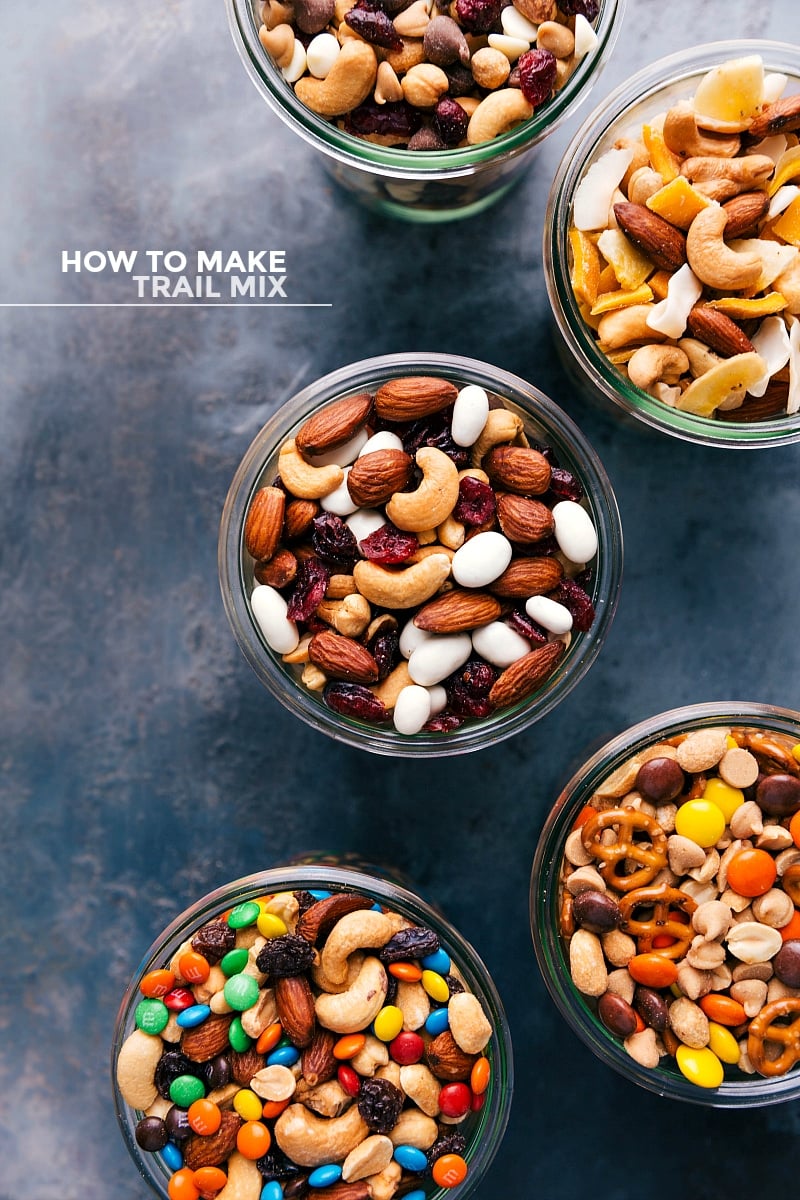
444, 722
384, 648
455, 985
333, 541
448, 1143
564, 485
396, 117
476, 503
529, 629
573, 597
310, 585
389, 545
379, 1103
478, 16
391, 989
355, 700
450, 121
585, 578
415, 942
304, 901
214, 940
435, 431
537, 74
275, 1165
583, 8
172, 1064
374, 26
285, 956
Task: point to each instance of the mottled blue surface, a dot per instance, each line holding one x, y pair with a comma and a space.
142, 763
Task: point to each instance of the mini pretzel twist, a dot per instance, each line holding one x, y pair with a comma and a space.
764, 1030
624, 850
663, 900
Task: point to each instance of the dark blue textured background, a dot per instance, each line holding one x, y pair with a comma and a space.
141, 762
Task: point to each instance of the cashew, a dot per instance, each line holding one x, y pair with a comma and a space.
751, 994
747, 820
387, 85
355, 931
748, 172
160, 1107
502, 426
311, 1141
390, 1072
349, 616
405, 588
627, 326
414, 1128
427, 551
300, 652
223, 1096
497, 113
172, 1031
650, 364
276, 13
788, 284
429, 504
421, 1085
278, 43
451, 533
313, 678
325, 1099
390, 688
354, 965
136, 1068
214, 983
468, 1024
414, 1003
644, 183
374, 1153
340, 586
693, 982
684, 138
353, 1010
372, 1055
701, 358
711, 260
384, 1185
414, 20
348, 84
310, 483
244, 1179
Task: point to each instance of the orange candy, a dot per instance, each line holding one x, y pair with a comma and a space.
794, 828
449, 1170
182, 1186
274, 1108
586, 813
210, 1179
269, 1038
193, 967
204, 1117
792, 930
253, 1139
723, 1009
405, 971
653, 970
348, 1046
156, 984
752, 872
480, 1075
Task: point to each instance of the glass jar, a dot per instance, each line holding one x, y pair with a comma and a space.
483, 1129
649, 92
738, 1090
421, 186
542, 419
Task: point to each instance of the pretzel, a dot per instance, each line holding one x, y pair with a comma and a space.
624, 850
763, 1031
767, 746
791, 883
661, 898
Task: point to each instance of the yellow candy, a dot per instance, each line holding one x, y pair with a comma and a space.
389, 1021
731, 742
701, 821
796, 751
725, 797
270, 926
701, 1067
722, 1042
435, 986
248, 1105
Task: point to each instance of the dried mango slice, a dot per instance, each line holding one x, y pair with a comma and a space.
659, 284
678, 202
608, 301
620, 357
663, 160
631, 266
704, 395
788, 224
585, 312
787, 167
744, 310
608, 280
586, 266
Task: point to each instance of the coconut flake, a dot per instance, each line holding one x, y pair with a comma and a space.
594, 192
585, 37
774, 84
771, 147
772, 343
775, 258
670, 315
666, 394
782, 199
793, 403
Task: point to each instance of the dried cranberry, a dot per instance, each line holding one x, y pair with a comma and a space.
450, 121
443, 722
564, 485
286, 956
310, 584
354, 700
468, 690
333, 541
528, 628
583, 8
397, 118
374, 26
414, 942
475, 503
389, 545
435, 431
573, 597
214, 940
384, 648
478, 677
585, 578
537, 74
379, 1103
478, 16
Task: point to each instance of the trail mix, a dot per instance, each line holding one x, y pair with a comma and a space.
684, 244
427, 74
307, 1044
417, 560
679, 896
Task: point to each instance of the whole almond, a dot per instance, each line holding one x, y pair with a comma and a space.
262, 529
447, 1060
334, 425
718, 331
279, 572
298, 518
356, 1189
661, 242
342, 658
245, 1064
518, 469
295, 1003
526, 675
212, 1149
781, 117
525, 577
207, 1040
318, 920
413, 396
760, 408
318, 1062
744, 213
457, 611
522, 519
375, 477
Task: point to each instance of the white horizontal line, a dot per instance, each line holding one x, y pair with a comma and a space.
177, 304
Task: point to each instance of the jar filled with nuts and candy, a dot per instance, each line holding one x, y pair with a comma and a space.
665, 904
420, 554
424, 109
312, 1031
672, 246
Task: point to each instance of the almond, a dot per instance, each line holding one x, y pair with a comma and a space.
318, 1062
207, 1040
298, 518
661, 242
523, 520
279, 572
245, 1064
744, 212
296, 1008
526, 675
357, 1189
342, 658
457, 611
718, 331
781, 117
334, 425
212, 1149
262, 529
518, 469
760, 408
375, 477
412, 397
525, 577
447, 1060
318, 920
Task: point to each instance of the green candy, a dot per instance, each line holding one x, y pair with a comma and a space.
239, 1040
244, 914
233, 962
151, 1016
241, 992
184, 1090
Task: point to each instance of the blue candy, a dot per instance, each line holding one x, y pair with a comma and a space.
195, 1015
271, 1191
438, 962
417, 1195
172, 1156
410, 1158
318, 894
284, 1056
437, 1022
376, 908
325, 1176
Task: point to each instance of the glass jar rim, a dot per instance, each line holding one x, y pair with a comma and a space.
645, 84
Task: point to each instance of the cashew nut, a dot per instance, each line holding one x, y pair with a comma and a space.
278, 43
354, 965
501, 426
701, 358
644, 183
390, 688
325, 1099
311, 1141
497, 113
387, 86
244, 1179
683, 136
788, 284
136, 1068
711, 260
649, 364
353, 1010
301, 478
372, 1055
750, 171
414, 1128
263, 1013
433, 500
421, 1085
405, 588
451, 533
355, 931
384, 1185
626, 326
348, 84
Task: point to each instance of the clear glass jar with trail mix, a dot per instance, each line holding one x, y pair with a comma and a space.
312, 1031
420, 554
672, 246
664, 904
392, 97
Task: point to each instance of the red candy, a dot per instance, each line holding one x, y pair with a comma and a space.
407, 1048
348, 1079
178, 999
455, 1099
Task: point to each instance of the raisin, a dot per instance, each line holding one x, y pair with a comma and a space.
443, 722
478, 16
304, 901
275, 1165
583, 8
355, 700
384, 648
564, 485
397, 118
411, 943
435, 431
310, 585
573, 597
389, 545
285, 956
333, 541
448, 1143
172, 1064
391, 989
379, 1103
476, 503
537, 74
529, 629
455, 985
450, 121
374, 26
214, 941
